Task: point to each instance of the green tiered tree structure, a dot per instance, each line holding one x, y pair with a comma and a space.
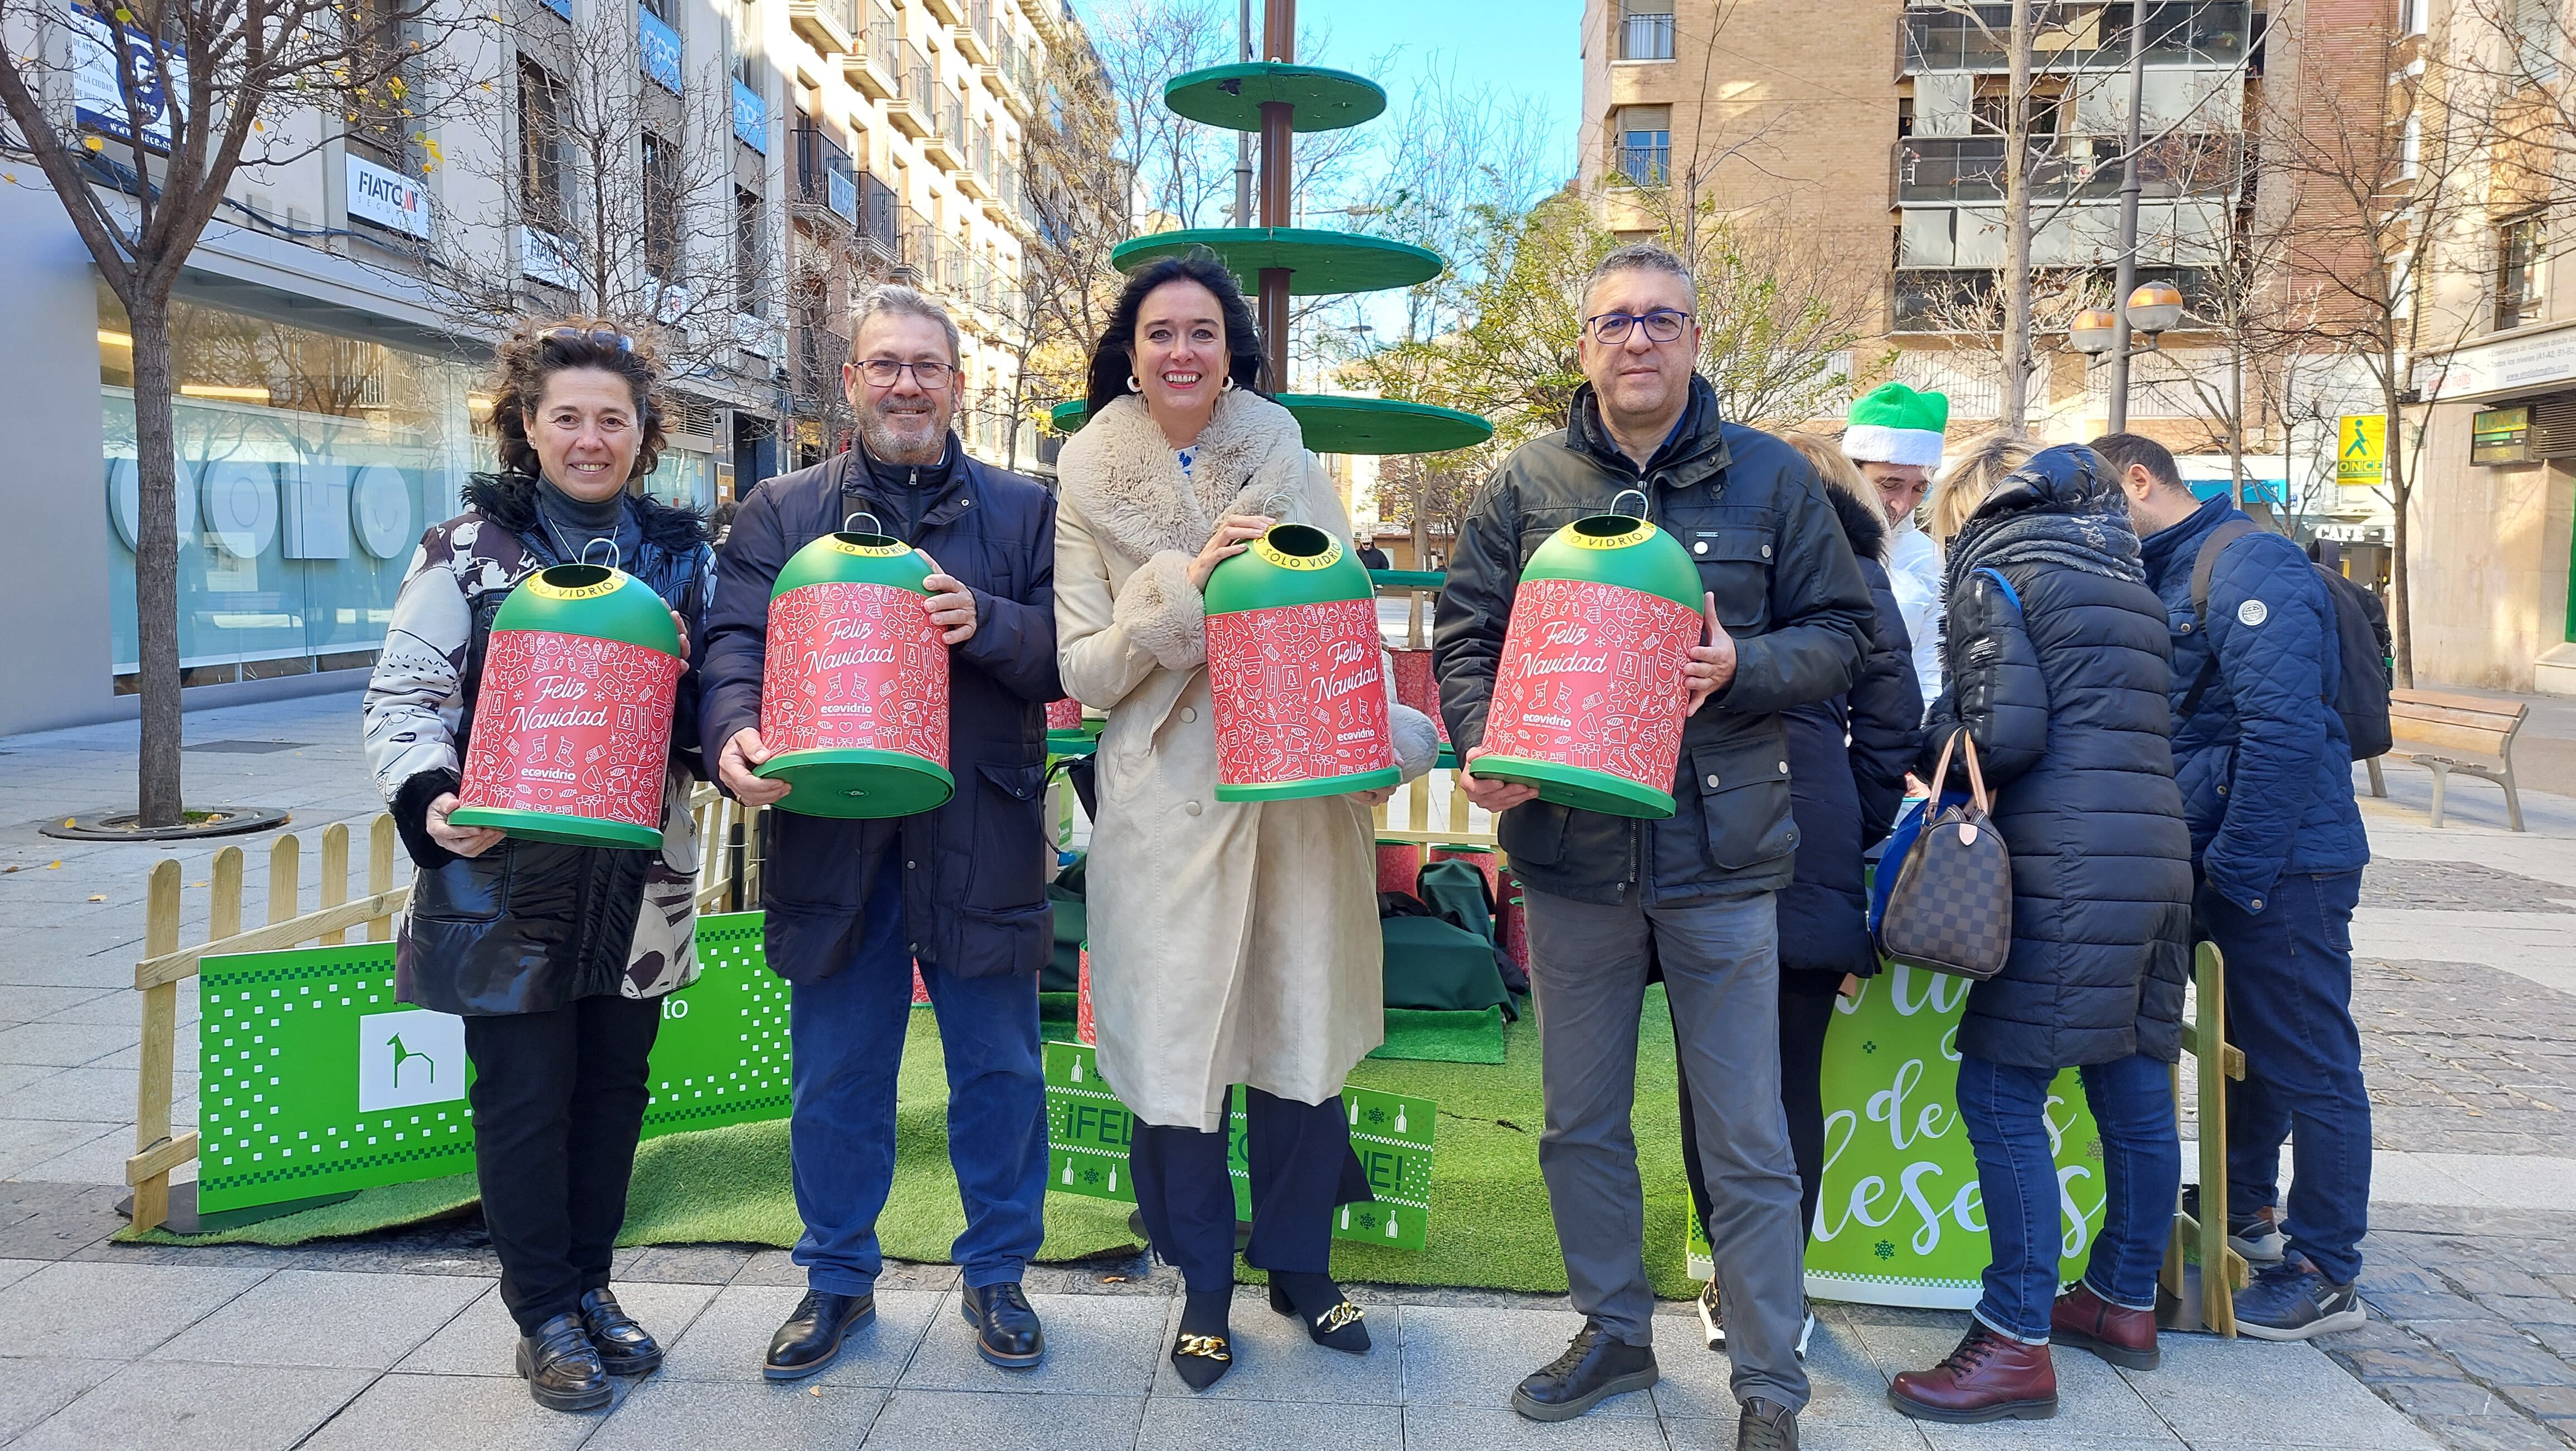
1275, 99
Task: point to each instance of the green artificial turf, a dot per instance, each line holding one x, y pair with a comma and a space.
1490, 1226
1436, 1036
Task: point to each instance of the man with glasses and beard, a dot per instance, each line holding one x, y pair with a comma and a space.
853, 906
1610, 897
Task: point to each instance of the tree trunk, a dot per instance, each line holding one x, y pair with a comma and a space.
2401, 630
2016, 370
156, 561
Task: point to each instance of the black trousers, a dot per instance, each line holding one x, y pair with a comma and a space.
1301, 1164
558, 1105
1804, 1017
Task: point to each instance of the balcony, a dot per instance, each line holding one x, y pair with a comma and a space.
830, 26
974, 39
1640, 165
977, 181
914, 103
2078, 36
1006, 203
1954, 170
879, 235
826, 188
944, 145
1009, 77
946, 12
1646, 37
873, 63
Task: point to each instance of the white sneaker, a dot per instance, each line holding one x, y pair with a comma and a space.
1711, 1318
1806, 1329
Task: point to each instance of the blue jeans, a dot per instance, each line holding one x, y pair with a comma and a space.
2132, 1102
847, 1030
2289, 1006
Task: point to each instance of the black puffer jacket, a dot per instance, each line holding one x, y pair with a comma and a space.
2058, 671
1754, 518
1847, 762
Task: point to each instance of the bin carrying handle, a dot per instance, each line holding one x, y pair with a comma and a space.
615, 559
1643, 503
862, 514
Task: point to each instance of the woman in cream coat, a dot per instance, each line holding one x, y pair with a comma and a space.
1231, 942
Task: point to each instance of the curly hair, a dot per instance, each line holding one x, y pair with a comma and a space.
1113, 361
540, 347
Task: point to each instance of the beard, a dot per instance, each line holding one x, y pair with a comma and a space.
903, 437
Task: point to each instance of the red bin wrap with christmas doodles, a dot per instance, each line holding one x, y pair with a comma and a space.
1300, 693
572, 725
1591, 677
855, 666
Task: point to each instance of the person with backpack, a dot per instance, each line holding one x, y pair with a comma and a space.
2270, 689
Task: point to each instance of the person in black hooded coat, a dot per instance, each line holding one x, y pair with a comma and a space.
2056, 654
1848, 756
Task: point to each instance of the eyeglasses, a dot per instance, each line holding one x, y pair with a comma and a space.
882, 372
1663, 325
606, 337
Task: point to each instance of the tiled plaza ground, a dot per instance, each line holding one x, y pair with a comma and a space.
2467, 996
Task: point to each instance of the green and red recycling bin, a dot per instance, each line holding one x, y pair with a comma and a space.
1297, 671
854, 701
572, 720
1589, 697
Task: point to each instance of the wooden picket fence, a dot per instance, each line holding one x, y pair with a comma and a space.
728, 876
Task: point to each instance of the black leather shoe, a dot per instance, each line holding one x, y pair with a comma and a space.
1337, 1327
1006, 1328
812, 1336
625, 1348
1595, 1366
562, 1370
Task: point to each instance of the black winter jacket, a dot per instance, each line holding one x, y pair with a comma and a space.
1847, 762
529, 925
2059, 674
1754, 518
974, 870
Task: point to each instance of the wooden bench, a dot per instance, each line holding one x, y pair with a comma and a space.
2445, 733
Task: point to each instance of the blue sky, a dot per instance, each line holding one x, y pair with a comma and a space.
1526, 46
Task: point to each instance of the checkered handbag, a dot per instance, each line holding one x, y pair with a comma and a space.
1951, 908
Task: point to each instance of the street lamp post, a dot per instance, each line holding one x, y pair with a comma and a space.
2129, 188
2148, 312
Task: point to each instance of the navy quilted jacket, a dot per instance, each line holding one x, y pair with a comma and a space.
2061, 681
2264, 765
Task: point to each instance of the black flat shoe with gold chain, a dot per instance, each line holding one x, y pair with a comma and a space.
1337, 1327
1201, 1360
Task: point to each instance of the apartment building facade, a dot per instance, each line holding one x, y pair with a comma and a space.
732, 169
1877, 132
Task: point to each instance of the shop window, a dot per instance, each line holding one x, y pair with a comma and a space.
2522, 265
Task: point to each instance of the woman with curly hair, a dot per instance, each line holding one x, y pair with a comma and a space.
556, 956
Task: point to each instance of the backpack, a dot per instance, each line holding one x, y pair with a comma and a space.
2361, 643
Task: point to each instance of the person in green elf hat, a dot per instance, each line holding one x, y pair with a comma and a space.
1895, 437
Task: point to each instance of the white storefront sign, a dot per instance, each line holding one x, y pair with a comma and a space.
386, 197
2511, 364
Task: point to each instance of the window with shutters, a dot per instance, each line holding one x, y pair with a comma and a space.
2522, 268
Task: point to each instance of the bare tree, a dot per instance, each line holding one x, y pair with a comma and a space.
2378, 192
617, 199
140, 120
1079, 196
1183, 170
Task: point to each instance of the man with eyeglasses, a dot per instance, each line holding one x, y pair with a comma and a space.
852, 906
1611, 898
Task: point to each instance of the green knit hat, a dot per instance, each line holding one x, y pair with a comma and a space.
1895, 424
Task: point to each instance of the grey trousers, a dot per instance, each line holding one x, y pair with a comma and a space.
1721, 966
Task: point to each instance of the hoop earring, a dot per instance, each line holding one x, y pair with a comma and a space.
1228, 385
1133, 386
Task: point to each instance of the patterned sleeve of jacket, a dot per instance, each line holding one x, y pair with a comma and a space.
415, 695
1995, 692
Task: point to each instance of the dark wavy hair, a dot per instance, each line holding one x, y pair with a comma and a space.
1113, 360
540, 347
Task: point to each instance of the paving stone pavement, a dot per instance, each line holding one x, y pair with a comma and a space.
2467, 994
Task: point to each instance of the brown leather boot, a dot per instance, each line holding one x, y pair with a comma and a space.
1988, 1378
2116, 1333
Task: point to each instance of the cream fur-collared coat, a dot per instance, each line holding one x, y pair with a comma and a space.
1231, 942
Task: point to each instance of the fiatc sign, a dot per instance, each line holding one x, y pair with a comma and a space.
386, 197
